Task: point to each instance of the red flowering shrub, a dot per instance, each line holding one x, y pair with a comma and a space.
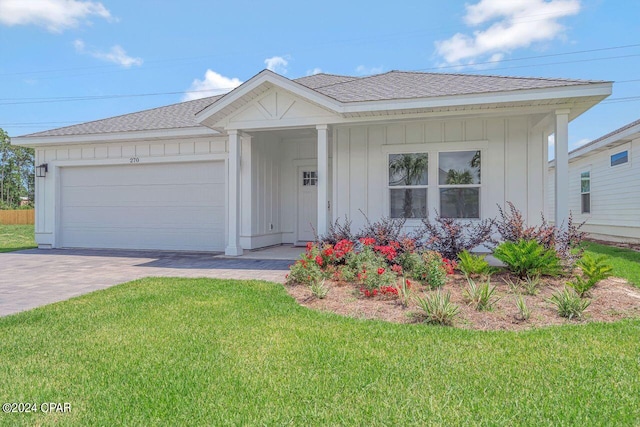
367, 241
449, 265
304, 271
341, 250
369, 293
388, 290
388, 251
396, 268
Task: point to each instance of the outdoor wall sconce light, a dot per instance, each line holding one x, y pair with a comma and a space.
41, 171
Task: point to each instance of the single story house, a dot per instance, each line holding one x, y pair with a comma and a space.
604, 185
275, 160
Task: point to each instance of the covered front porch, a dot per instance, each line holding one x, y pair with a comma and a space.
299, 159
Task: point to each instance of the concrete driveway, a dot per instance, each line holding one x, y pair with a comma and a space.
35, 277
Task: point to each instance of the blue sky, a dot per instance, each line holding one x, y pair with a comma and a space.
116, 57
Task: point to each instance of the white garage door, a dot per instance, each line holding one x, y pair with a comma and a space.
173, 206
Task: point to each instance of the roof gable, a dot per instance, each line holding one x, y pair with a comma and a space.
255, 87
275, 107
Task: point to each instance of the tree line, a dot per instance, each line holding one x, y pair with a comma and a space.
17, 171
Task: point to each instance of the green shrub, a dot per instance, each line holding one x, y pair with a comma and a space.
305, 271
438, 308
595, 268
409, 261
581, 286
482, 296
528, 258
470, 264
524, 313
430, 270
569, 303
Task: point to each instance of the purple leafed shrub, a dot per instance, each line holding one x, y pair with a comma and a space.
450, 236
385, 231
337, 232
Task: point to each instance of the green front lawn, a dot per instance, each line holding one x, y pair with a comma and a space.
221, 352
625, 262
16, 237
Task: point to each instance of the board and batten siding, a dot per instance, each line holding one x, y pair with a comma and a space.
615, 193
509, 148
260, 192
58, 157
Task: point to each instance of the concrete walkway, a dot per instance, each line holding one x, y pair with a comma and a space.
35, 277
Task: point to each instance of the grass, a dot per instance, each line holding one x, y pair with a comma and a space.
221, 352
16, 237
625, 262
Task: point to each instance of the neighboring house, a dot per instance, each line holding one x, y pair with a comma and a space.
604, 185
275, 159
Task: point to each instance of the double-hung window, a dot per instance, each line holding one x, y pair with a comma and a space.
459, 184
585, 192
408, 184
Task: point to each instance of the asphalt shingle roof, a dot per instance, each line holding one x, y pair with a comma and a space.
406, 85
386, 86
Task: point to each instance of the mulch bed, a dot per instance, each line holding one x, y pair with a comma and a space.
611, 299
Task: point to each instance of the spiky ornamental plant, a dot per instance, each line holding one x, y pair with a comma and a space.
569, 303
438, 308
481, 296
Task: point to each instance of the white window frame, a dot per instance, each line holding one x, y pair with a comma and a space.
432, 149
412, 187
582, 211
478, 186
617, 150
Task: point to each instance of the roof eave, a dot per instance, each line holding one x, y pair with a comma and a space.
599, 90
157, 134
619, 138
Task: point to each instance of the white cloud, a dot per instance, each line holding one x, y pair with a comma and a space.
277, 64
366, 71
213, 84
54, 15
513, 24
314, 71
116, 54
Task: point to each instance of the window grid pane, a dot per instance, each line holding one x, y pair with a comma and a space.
408, 169
586, 203
460, 202
408, 202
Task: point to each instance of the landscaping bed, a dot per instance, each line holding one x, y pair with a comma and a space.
611, 300
429, 275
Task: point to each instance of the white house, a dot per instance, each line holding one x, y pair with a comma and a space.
274, 159
604, 185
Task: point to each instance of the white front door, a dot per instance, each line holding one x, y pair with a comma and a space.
307, 203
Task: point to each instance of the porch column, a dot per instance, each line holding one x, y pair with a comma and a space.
562, 167
233, 211
323, 179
